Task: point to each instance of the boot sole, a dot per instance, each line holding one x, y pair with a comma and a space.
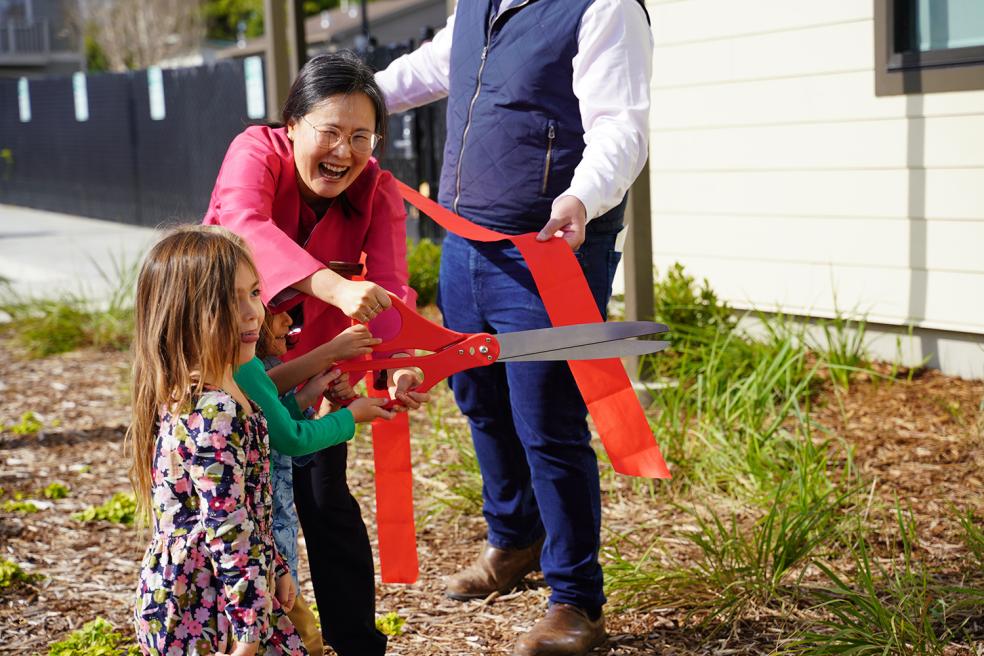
459, 596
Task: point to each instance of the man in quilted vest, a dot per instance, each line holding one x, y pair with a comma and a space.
547, 127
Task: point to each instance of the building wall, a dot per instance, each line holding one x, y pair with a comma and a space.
779, 175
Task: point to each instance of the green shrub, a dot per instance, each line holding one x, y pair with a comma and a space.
96, 638
56, 491
390, 624
120, 509
29, 424
424, 263
11, 573
19, 507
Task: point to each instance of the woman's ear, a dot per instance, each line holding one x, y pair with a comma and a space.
291, 126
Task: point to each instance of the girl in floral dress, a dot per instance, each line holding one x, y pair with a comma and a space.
211, 581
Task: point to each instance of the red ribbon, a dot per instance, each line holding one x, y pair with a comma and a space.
606, 388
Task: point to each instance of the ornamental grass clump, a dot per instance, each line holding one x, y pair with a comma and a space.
69, 321
896, 606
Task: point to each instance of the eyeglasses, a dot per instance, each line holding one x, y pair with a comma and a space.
362, 141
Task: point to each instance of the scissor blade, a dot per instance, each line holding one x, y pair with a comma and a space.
618, 349
527, 343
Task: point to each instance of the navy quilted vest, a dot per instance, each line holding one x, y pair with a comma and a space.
514, 127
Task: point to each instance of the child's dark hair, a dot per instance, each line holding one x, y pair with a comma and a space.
264, 346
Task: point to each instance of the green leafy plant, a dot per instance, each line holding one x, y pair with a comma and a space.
390, 624
120, 509
424, 263
95, 638
17, 506
11, 574
56, 491
29, 424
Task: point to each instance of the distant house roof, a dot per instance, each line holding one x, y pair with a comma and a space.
390, 21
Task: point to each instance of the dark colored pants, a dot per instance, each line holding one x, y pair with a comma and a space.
528, 420
339, 555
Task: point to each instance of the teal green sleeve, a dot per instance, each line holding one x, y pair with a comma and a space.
288, 435
290, 402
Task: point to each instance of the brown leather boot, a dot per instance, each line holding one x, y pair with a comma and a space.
496, 570
565, 631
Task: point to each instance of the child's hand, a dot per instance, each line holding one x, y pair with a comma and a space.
242, 649
310, 394
351, 343
286, 592
366, 409
340, 390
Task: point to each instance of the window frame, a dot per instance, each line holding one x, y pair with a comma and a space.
954, 69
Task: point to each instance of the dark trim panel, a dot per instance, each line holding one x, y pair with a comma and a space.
960, 69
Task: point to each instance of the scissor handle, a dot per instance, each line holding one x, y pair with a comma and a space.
452, 351
416, 332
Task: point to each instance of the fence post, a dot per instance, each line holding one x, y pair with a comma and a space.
277, 65
297, 38
638, 257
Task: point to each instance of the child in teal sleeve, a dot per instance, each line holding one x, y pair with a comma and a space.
296, 431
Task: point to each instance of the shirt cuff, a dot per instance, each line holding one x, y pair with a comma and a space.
588, 198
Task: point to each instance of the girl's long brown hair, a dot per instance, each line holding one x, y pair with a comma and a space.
186, 332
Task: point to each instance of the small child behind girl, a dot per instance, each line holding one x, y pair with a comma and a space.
294, 431
211, 581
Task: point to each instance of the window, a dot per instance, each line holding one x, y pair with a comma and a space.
924, 46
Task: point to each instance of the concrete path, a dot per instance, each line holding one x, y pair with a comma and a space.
44, 254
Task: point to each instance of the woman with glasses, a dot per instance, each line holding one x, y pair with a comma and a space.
306, 195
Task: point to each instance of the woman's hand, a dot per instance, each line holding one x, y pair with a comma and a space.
353, 342
366, 409
286, 592
358, 299
315, 388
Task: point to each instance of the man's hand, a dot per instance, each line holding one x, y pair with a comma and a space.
567, 219
401, 386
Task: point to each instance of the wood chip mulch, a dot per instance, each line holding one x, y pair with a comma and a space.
921, 441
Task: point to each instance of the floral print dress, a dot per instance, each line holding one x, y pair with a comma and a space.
210, 571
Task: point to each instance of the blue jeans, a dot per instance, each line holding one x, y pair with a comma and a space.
528, 420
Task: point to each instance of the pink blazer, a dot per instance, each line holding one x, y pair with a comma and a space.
257, 197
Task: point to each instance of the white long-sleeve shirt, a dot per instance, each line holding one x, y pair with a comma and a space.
612, 72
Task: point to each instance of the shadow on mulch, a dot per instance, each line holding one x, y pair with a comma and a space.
59, 438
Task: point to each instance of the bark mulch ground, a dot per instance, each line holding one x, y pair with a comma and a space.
920, 441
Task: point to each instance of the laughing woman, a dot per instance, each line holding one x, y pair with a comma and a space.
304, 195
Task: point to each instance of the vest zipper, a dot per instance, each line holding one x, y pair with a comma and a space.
551, 135
471, 105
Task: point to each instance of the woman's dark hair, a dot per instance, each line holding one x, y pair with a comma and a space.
334, 74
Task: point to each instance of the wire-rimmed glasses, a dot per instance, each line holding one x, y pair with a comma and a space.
361, 141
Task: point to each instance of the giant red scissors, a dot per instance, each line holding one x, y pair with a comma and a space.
451, 351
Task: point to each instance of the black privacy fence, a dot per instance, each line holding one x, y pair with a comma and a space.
144, 147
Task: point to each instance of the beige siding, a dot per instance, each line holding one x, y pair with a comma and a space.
778, 175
